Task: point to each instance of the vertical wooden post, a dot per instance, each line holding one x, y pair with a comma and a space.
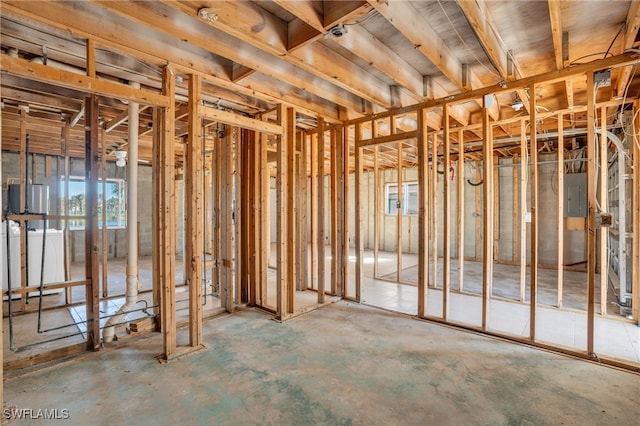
487, 216
533, 145
314, 140
358, 209
265, 239
423, 237
304, 212
343, 242
478, 207
446, 229
434, 208
376, 211
292, 214
524, 172
334, 211
236, 216
92, 268
103, 234
399, 215
560, 223
194, 213
282, 213
344, 214
461, 206
226, 221
67, 245
603, 180
320, 211
591, 210
635, 250
165, 214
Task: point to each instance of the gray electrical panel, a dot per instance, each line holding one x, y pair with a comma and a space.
575, 195
37, 200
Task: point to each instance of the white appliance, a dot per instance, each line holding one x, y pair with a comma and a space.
53, 258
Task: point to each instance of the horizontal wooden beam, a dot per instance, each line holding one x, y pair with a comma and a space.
89, 85
232, 119
398, 137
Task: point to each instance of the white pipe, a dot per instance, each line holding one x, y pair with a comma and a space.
59, 65
132, 224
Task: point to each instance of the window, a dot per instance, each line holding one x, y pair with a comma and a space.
115, 202
409, 195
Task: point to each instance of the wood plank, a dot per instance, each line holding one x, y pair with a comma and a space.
603, 201
281, 219
359, 215
524, 173
333, 176
434, 209
446, 212
91, 85
23, 202
292, 213
555, 18
314, 209
560, 221
535, 195
376, 211
423, 214
399, 214
632, 26
91, 58
103, 230
591, 215
194, 212
92, 267
635, 245
320, 211
394, 137
460, 214
233, 119
487, 216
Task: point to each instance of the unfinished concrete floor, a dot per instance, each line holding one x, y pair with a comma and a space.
342, 364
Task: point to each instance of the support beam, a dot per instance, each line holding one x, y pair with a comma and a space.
603, 201
292, 212
635, 249
534, 182
591, 211
524, 173
560, 222
460, 213
232, 119
555, 18
281, 216
423, 214
487, 216
194, 212
376, 210
320, 211
446, 207
359, 214
333, 176
632, 27
400, 206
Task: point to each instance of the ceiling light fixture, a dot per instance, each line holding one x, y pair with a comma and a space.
336, 31
120, 158
517, 105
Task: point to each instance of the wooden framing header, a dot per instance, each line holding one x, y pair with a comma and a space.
233, 119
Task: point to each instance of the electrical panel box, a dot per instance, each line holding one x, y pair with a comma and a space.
575, 195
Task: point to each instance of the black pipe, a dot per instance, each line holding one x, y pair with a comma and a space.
475, 183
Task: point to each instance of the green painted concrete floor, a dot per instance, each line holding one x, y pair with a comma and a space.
342, 364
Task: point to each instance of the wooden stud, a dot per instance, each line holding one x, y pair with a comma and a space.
227, 222
314, 210
423, 217
23, 204
487, 216
282, 213
434, 208
591, 210
291, 212
358, 210
320, 211
194, 212
524, 171
446, 207
399, 215
67, 245
560, 223
376, 211
265, 239
103, 235
603, 232
91, 58
534, 179
334, 211
236, 216
166, 214
92, 268
343, 231
460, 214
635, 250
496, 209
304, 222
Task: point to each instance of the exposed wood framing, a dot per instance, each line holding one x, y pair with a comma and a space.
226, 218
446, 207
358, 209
522, 212
313, 158
632, 26
333, 176
399, 215
103, 231
535, 195
423, 215
591, 211
635, 251
232, 119
603, 202
434, 209
560, 222
282, 176
320, 211
460, 213
487, 215
194, 212
292, 212
376, 211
